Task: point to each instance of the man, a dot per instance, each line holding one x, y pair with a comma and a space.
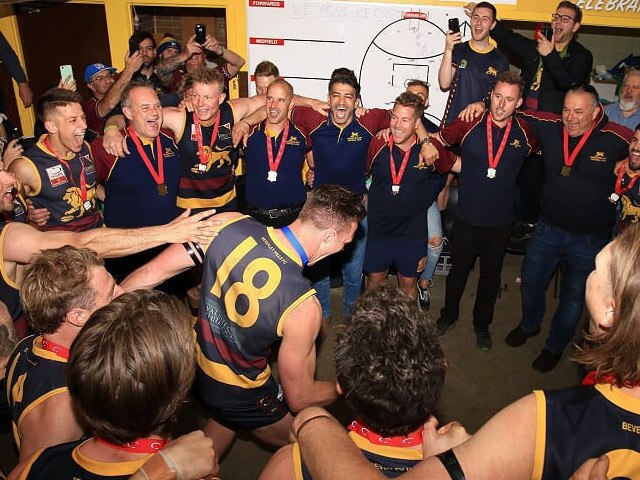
253, 297
60, 290
627, 188
19, 242
434, 222
58, 173
493, 148
264, 75
392, 405
548, 67
129, 370
106, 91
401, 191
627, 111
547, 434
146, 44
274, 158
194, 57
580, 152
11, 63
339, 148
468, 70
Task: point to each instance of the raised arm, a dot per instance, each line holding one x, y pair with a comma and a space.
447, 70
111, 99
297, 358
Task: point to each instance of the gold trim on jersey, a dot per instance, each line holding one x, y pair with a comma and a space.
36, 403
287, 311
223, 374
401, 453
27, 468
106, 468
297, 462
220, 201
541, 434
292, 254
617, 396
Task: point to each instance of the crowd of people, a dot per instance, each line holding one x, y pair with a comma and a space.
302, 188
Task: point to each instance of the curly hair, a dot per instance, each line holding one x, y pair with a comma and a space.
389, 362
131, 366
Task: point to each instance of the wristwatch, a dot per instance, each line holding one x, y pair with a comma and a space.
425, 141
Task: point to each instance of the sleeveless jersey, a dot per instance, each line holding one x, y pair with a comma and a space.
59, 189
33, 375
9, 290
391, 461
64, 462
574, 424
251, 282
629, 205
214, 187
288, 189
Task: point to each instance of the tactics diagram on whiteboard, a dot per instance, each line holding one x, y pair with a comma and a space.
384, 44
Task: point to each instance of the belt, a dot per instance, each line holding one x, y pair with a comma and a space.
274, 212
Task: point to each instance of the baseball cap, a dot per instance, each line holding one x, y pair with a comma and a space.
94, 69
168, 42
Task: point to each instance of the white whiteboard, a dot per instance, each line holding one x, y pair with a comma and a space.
384, 44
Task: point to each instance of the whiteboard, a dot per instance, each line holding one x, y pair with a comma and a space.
384, 44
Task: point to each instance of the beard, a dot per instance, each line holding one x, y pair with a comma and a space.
627, 106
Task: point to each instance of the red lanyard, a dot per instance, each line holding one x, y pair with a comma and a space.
620, 189
140, 445
495, 160
274, 165
396, 176
592, 379
202, 155
56, 348
83, 180
411, 440
570, 159
159, 175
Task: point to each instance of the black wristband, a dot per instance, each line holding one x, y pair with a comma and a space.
191, 249
451, 464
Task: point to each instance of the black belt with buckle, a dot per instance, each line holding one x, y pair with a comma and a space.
274, 212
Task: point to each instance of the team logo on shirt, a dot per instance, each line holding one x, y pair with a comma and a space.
491, 71
56, 175
354, 137
216, 159
77, 206
293, 140
168, 152
598, 157
629, 209
88, 164
515, 143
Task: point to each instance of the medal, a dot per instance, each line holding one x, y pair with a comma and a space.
494, 160
614, 197
570, 159
620, 188
158, 176
203, 157
274, 164
396, 176
395, 189
87, 205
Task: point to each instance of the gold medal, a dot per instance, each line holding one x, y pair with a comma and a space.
162, 189
566, 170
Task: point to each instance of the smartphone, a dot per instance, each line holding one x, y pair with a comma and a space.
547, 32
133, 46
201, 33
454, 25
66, 73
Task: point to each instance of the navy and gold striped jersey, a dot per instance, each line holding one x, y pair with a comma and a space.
33, 376
582, 422
251, 282
215, 186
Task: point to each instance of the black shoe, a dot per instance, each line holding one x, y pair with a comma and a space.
483, 340
424, 297
518, 336
546, 361
522, 232
444, 326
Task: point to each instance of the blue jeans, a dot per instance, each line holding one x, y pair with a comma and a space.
576, 253
352, 259
434, 229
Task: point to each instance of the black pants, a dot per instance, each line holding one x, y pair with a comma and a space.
490, 244
530, 180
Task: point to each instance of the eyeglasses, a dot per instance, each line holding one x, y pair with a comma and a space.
103, 77
563, 18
